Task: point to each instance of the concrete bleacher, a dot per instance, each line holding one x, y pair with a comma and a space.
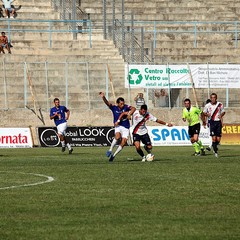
173, 42
33, 48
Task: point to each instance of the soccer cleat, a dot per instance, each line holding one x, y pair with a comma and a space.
111, 158
208, 149
63, 149
196, 154
215, 154
70, 151
108, 153
144, 159
203, 152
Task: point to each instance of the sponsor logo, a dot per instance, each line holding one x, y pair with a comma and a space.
135, 77
49, 138
14, 139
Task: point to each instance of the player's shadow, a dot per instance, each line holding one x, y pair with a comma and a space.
155, 160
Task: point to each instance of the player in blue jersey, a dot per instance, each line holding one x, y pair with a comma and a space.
60, 115
122, 130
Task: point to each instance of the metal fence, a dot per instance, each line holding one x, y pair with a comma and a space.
38, 83
77, 84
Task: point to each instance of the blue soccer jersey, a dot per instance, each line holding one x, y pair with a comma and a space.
61, 110
117, 112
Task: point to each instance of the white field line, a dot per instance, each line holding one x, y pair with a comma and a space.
49, 179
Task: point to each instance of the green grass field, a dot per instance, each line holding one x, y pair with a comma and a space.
178, 196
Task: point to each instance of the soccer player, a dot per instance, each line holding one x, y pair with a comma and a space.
210, 145
191, 114
60, 115
140, 132
122, 128
215, 112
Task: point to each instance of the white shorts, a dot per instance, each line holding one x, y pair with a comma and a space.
124, 131
61, 128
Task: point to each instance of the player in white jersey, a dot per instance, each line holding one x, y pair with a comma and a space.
140, 132
214, 111
210, 138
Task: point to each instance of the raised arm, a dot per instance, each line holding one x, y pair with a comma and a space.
102, 95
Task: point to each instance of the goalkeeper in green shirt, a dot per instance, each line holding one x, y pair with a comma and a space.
191, 114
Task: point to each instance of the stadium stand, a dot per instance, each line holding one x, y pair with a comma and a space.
31, 54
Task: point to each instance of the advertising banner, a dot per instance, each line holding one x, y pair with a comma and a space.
178, 76
77, 136
177, 135
15, 138
231, 134
160, 136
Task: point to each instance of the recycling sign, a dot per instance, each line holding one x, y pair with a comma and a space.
135, 77
179, 76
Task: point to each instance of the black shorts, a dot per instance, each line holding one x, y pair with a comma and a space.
215, 128
145, 139
195, 129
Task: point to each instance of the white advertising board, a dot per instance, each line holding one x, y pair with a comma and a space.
178, 76
177, 136
15, 138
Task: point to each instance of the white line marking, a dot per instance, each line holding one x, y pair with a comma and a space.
49, 179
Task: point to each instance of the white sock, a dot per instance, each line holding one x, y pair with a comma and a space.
69, 146
63, 143
119, 149
114, 142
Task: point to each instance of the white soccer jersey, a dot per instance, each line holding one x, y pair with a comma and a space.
214, 111
139, 122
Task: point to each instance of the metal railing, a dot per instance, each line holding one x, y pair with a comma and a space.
46, 26
195, 29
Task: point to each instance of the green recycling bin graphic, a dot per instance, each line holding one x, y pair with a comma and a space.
135, 77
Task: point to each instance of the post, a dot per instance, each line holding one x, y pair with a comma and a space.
5, 85
132, 39
66, 82
104, 20
142, 45
50, 34
88, 86
74, 26
195, 35
152, 51
64, 9
123, 30
113, 22
25, 84
46, 82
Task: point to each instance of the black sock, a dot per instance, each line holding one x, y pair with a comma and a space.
147, 149
214, 145
140, 152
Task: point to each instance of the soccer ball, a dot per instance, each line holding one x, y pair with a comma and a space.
150, 157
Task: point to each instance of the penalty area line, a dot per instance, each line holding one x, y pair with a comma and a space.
49, 179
